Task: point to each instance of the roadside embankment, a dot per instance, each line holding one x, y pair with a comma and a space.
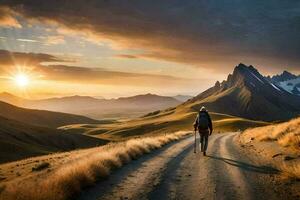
277, 145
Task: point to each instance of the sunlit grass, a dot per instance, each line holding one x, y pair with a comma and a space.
94, 164
286, 134
287, 137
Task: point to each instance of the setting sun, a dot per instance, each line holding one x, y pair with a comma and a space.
21, 80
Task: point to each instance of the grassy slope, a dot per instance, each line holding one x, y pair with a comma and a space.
170, 120
240, 102
278, 144
19, 140
41, 117
285, 134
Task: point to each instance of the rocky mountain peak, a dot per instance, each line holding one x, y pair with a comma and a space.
248, 94
284, 76
217, 84
245, 75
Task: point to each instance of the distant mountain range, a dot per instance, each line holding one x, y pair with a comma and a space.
246, 93
182, 98
282, 77
99, 108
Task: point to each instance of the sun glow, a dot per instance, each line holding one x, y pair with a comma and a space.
22, 80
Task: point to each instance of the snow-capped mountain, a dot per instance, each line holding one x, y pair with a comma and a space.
282, 77
286, 81
292, 86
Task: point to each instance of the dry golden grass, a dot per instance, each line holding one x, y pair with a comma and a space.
285, 140
286, 134
69, 179
292, 169
167, 121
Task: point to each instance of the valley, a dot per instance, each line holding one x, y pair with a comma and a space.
234, 104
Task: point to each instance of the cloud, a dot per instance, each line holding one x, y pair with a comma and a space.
107, 77
15, 58
83, 75
27, 40
7, 19
126, 56
200, 33
54, 40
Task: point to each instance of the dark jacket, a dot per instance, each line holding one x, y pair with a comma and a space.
209, 121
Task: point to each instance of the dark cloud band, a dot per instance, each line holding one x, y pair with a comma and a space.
198, 32
79, 74
11, 58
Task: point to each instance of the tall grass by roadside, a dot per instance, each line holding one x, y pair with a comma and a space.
286, 134
68, 180
292, 169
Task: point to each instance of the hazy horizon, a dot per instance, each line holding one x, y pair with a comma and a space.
26, 93
46, 96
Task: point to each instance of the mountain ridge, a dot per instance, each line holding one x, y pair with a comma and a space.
284, 76
286, 81
132, 106
246, 93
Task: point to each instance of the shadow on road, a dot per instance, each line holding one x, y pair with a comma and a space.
246, 166
106, 186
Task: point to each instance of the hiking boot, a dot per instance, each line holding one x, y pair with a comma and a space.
204, 153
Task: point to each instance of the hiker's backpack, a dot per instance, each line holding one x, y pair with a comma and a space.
203, 123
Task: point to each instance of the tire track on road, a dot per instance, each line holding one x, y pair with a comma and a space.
241, 189
175, 172
184, 179
256, 176
137, 183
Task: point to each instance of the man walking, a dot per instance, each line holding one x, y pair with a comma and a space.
204, 125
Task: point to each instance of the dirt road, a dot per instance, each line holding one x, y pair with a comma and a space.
175, 172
